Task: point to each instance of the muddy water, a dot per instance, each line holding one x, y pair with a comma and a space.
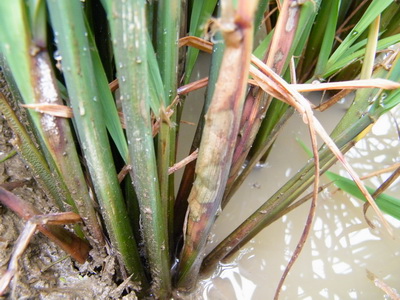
341, 247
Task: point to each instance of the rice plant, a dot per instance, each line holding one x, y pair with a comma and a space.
97, 90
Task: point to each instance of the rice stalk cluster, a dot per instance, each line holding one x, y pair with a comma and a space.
103, 84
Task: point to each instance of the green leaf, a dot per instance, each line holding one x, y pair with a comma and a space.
201, 13
15, 43
106, 99
386, 203
374, 9
37, 17
328, 37
157, 98
351, 55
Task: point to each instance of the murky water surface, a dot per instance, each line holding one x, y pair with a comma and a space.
341, 246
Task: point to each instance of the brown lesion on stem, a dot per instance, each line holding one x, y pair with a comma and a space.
219, 137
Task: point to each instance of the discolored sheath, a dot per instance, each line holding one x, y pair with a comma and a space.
219, 137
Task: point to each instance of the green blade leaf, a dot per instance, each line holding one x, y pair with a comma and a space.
106, 99
386, 203
201, 12
374, 9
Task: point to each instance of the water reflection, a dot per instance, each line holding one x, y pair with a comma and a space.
341, 246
